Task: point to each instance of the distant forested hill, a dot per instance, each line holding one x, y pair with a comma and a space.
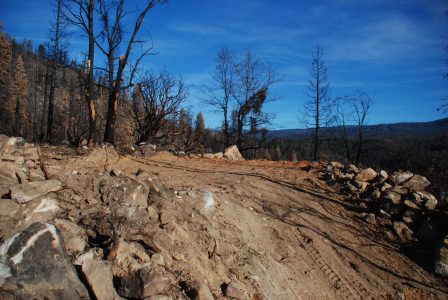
420, 129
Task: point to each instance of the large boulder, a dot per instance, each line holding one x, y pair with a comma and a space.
34, 265
232, 153
417, 183
26, 192
100, 279
366, 175
441, 258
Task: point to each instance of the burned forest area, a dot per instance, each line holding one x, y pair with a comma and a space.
125, 173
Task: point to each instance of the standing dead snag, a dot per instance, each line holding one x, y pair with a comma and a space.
113, 34
80, 13
318, 111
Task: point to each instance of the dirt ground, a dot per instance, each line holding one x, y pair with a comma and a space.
271, 229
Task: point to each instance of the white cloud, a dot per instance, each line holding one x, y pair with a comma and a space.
389, 37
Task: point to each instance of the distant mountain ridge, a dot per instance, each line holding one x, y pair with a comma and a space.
403, 129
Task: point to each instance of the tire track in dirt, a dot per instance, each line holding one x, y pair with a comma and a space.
345, 288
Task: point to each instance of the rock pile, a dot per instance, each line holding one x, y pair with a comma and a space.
400, 200
86, 234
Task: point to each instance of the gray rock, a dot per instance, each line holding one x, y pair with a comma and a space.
30, 152
35, 266
129, 257
398, 178
376, 194
74, 237
20, 174
366, 175
384, 214
351, 188
441, 258
403, 232
382, 176
232, 153
430, 202
416, 198
36, 175
410, 218
116, 172
144, 282
218, 155
7, 170
361, 186
42, 209
392, 197
428, 232
133, 214
26, 192
100, 279
92, 254
417, 183
400, 190
385, 186
10, 144
137, 194
352, 169
345, 176
158, 259
370, 218
410, 204
337, 165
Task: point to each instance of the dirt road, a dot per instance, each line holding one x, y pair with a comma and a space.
271, 230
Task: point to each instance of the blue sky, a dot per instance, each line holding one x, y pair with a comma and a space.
394, 50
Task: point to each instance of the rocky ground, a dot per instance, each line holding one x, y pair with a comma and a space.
152, 225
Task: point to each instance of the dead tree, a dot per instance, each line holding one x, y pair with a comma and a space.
55, 39
353, 109
112, 14
219, 94
157, 101
318, 111
341, 119
80, 13
361, 104
254, 78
